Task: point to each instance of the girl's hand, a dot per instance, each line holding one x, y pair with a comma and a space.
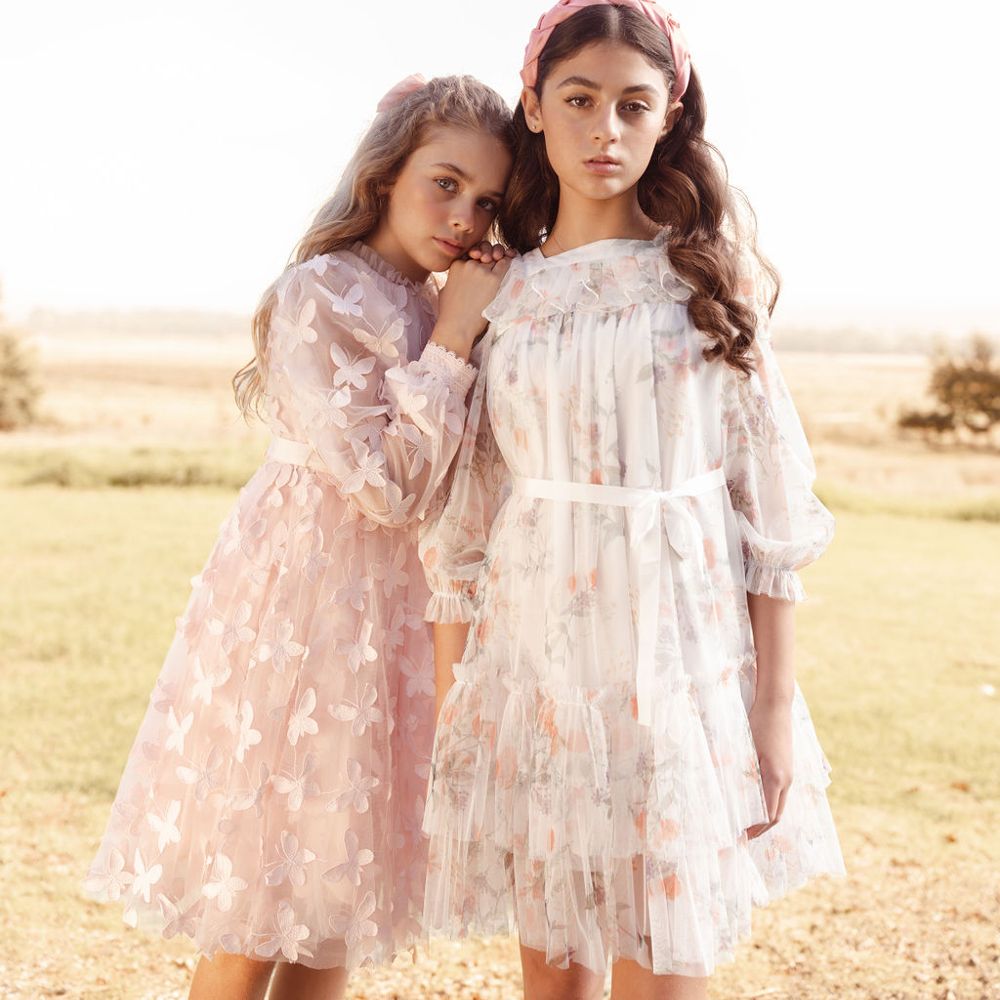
771, 726
490, 251
471, 287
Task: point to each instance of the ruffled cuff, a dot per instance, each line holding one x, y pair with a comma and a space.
449, 367
772, 581
449, 609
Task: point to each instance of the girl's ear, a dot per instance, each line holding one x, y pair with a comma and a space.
673, 114
532, 109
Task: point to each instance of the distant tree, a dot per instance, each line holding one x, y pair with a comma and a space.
19, 386
966, 386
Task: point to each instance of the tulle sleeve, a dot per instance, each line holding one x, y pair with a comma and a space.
769, 467
385, 430
453, 539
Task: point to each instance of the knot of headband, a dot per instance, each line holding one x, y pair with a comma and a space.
565, 9
403, 89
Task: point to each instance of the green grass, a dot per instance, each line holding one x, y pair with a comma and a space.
894, 649
93, 583
894, 645
898, 637
849, 500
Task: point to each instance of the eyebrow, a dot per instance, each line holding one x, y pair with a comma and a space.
452, 168
582, 81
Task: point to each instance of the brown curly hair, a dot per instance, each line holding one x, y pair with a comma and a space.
686, 185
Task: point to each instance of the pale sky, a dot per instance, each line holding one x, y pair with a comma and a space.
171, 155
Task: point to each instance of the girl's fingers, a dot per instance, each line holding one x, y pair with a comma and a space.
498, 251
490, 253
772, 795
781, 805
775, 797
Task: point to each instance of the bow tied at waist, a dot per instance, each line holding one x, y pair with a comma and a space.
655, 514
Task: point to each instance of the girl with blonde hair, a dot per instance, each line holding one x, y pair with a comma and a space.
270, 808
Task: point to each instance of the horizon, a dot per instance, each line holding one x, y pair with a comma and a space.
946, 321
886, 330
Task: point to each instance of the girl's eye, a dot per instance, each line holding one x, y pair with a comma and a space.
487, 205
635, 107
446, 183
577, 102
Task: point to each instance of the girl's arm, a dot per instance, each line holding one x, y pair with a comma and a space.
783, 527
449, 644
773, 624
386, 430
453, 539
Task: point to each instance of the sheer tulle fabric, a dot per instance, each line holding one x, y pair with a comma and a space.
550, 806
271, 804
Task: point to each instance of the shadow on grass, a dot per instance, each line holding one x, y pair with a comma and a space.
129, 468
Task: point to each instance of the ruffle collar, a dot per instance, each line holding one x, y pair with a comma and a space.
603, 276
381, 266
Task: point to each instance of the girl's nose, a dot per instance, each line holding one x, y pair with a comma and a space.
607, 127
462, 218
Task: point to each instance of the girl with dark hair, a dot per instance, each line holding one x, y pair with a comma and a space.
270, 808
624, 764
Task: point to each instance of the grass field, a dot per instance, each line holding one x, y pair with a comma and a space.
899, 649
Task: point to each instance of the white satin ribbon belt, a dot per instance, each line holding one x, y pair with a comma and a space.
294, 453
653, 510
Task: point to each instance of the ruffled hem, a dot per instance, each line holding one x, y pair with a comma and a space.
266, 943
458, 373
772, 581
580, 281
557, 813
449, 609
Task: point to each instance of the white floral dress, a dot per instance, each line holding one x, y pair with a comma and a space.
272, 801
615, 499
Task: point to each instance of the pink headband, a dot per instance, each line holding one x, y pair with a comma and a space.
565, 9
403, 89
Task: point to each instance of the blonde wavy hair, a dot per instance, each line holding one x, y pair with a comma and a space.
354, 210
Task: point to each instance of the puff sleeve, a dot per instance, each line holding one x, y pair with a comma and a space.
769, 467
384, 429
453, 540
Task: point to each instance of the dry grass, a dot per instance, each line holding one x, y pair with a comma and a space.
110, 395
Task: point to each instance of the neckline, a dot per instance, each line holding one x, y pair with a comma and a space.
598, 249
381, 266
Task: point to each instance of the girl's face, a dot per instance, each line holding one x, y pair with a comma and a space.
445, 198
602, 111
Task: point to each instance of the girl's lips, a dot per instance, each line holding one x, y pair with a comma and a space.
602, 167
452, 249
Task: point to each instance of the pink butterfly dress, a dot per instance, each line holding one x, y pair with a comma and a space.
616, 498
272, 801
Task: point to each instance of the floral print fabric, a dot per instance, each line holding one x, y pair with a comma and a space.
271, 804
550, 806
